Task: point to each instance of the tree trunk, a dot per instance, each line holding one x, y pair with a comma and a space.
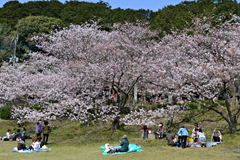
122, 99
115, 124
233, 128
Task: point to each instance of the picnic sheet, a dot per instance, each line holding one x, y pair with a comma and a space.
132, 148
26, 151
209, 144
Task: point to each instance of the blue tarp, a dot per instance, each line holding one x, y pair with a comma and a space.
26, 151
132, 148
209, 144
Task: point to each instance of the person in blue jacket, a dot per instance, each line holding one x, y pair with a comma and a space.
183, 133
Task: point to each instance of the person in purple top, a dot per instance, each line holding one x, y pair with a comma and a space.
38, 129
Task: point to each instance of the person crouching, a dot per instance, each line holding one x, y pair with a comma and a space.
21, 143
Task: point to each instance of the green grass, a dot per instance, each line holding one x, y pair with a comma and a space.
75, 141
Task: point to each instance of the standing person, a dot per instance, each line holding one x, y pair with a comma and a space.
184, 134
170, 137
161, 131
216, 136
124, 144
24, 133
38, 129
202, 138
46, 130
145, 130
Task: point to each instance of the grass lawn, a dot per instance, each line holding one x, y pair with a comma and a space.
75, 141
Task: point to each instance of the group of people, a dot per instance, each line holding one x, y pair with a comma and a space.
37, 142
13, 137
181, 138
197, 136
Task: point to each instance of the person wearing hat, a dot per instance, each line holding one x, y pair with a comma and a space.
124, 145
109, 148
161, 131
183, 133
216, 136
170, 137
145, 131
194, 132
21, 143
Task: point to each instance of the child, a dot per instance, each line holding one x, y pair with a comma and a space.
176, 141
110, 148
39, 138
35, 145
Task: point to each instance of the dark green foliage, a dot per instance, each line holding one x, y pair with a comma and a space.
221, 103
5, 112
153, 108
36, 107
126, 110
192, 105
142, 107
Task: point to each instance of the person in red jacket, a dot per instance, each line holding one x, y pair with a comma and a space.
145, 131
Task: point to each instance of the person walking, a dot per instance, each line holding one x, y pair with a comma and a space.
46, 130
38, 129
183, 133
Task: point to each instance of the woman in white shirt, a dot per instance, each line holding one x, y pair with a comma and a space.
202, 138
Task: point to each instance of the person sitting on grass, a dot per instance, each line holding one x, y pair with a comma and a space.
161, 131
35, 145
216, 136
24, 133
8, 135
145, 130
41, 142
124, 145
202, 138
176, 141
110, 148
18, 135
170, 137
21, 143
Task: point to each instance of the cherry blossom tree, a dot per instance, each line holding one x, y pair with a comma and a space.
204, 60
68, 77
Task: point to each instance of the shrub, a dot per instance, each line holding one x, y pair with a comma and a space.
222, 103
153, 108
5, 112
192, 105
36, 107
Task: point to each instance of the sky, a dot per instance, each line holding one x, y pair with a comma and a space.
124, 4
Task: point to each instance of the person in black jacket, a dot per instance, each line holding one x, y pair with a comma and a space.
18, 135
